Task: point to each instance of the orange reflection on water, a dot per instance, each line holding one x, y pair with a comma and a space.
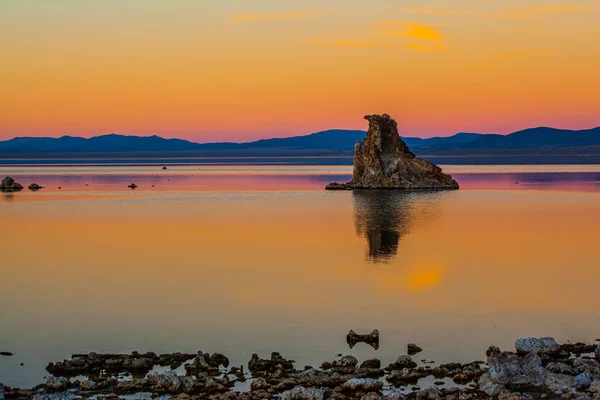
241, 272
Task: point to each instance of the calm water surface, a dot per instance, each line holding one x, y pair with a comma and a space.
259, 259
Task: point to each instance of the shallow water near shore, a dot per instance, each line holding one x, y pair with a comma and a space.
244, 260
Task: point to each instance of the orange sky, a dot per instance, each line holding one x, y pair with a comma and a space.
215, 70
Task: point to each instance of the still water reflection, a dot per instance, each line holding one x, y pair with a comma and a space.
384, 217
260, 269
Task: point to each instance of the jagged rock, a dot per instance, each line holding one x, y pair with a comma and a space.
537, 345
384, 161
402, 362
578, 348
35, 186
413, 349
87, 385
257, 364
394, 395
583, 381
595, 387
560, 382
363, 385
56, 384
371, 396
259, 384
8, 184
371, 339
514, 372
371, 364
597, 352
302, 393
488, 386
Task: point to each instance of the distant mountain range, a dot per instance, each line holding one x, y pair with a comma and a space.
534, 140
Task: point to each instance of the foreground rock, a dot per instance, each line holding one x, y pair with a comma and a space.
8, 184
412, 349
539, 373
384, 161
93, 364
537, 345
372, 339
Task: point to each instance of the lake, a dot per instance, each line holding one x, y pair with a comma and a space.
255, 259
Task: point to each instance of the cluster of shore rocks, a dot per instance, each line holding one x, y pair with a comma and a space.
539, 368
8, 184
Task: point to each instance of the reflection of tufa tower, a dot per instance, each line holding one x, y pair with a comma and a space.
383, 217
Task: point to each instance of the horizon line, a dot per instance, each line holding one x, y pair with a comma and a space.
288, 137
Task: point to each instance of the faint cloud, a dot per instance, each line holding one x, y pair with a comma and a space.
421, 37
410, 30
389, 33
258, 16
542, 9
423, 47
348, 43
520, 54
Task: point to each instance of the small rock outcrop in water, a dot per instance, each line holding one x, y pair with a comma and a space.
132, 186
384, 161
35, 186
9, 185
413, 349
371, 339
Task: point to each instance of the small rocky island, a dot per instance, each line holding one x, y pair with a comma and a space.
8, 184
384, 161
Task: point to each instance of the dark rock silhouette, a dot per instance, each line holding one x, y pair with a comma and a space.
132, 186
9, 185
413, 349
384, 161
372, 339
35, 186
383, 217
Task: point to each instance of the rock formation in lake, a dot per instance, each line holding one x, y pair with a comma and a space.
384, 161
9, 185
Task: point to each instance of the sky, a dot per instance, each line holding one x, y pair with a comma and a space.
214, 70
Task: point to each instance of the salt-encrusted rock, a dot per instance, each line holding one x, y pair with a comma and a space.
542, 345
371, 364
56, 383
514, 372
363, 385
384, 161
302, 393
402, 362
583, 381
87, 385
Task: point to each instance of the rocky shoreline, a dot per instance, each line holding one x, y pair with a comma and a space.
538, 368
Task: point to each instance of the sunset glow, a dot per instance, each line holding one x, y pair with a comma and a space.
233, 70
